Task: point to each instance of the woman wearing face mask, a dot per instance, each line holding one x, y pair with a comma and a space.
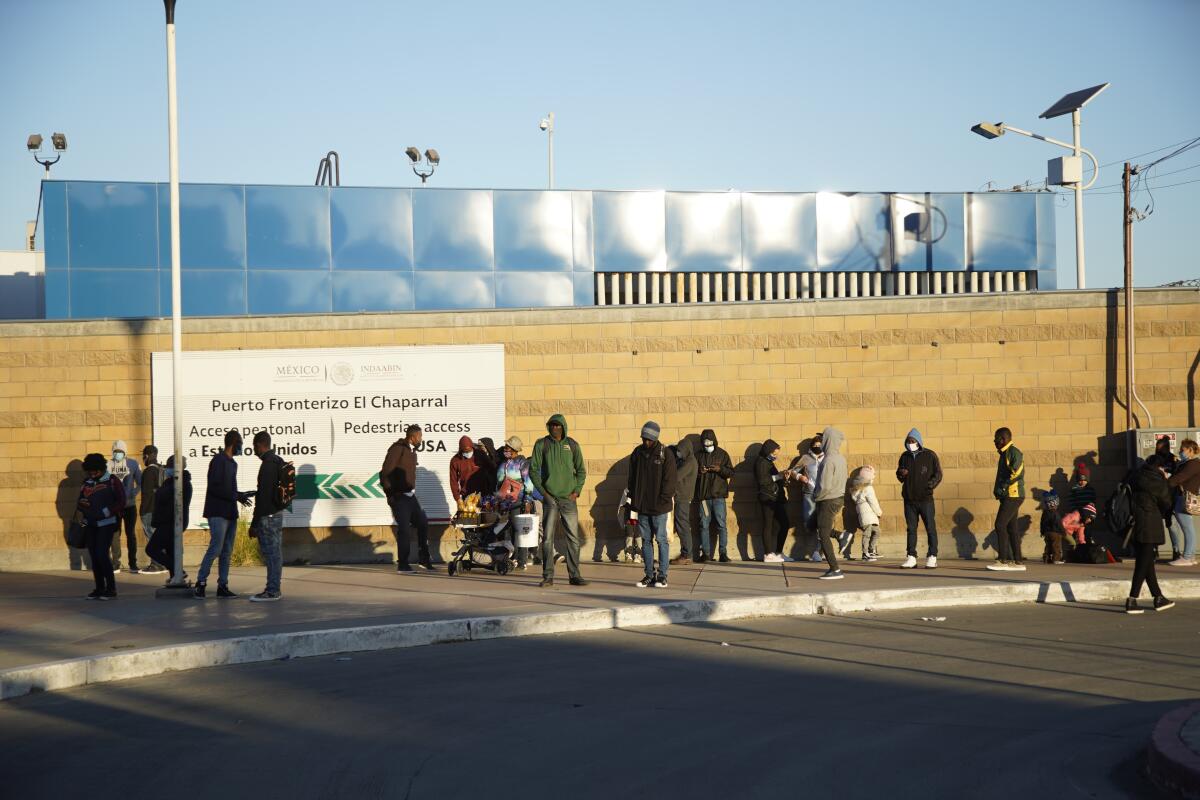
770, 502
101, 501
1186, 481
802, 476
471, 471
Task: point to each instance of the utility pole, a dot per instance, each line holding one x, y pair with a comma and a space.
1127, 228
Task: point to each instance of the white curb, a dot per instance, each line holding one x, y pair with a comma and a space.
146, 662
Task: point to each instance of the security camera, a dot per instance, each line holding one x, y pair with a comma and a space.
544, 124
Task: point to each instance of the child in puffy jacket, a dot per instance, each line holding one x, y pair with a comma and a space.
869, 513
1052, 528
1075, 522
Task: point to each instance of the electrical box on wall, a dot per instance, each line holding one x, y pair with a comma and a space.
1146, 440
1064, 171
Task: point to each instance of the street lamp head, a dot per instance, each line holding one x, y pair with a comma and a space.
35, 142
414, 155
989, 130
59, 141
432, 156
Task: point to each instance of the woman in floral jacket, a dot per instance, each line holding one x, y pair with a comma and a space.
515, 493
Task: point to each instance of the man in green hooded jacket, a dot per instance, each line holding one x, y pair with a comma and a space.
558, 472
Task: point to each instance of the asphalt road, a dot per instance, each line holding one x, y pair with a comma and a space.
1003, 702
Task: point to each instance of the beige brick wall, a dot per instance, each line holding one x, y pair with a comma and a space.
1049, 366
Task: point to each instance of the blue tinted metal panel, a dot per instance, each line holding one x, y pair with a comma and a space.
212, 226
1004, 231
372, 291
295, 292
629, 229
533, 231
54, 236
436, 291
930, 231
581, 210
287, 227
113, 293
206, 293
452, 229
779, 232
58, 294
372, 228
704, 231
113, 225
585, 288
1047, 256
534, 289
853, 232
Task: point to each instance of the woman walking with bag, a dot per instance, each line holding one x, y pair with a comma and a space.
1186, 481
1151, 504
101, 501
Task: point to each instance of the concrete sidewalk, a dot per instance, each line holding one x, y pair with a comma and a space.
44, 618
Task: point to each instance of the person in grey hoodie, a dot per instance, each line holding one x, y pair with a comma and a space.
129, 472
829, 493
685, 470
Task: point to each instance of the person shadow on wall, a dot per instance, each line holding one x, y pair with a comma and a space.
965, 542
744, 503
607, 537
65, 503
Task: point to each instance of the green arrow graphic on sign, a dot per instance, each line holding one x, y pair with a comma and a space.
327, 487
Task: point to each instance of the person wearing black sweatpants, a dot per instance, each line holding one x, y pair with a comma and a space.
1152, 502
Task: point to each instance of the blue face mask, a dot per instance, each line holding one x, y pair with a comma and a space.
169, 472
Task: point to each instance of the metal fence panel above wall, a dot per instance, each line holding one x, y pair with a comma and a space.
239, 235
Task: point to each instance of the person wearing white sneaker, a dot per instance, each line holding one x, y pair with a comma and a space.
771, 504
919, 472
869, 512
1186, 480
931, 562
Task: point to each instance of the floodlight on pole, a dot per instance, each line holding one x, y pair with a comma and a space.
34, 145
547, 124
1063, 171
431, 160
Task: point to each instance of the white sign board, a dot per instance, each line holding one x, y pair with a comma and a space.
333, 413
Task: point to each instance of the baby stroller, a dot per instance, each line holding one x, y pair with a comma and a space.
481, 545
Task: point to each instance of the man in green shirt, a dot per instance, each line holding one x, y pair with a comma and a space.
558, 472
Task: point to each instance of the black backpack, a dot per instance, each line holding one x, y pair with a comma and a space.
1120, 510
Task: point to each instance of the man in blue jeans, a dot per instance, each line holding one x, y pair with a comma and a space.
268, 517
714, 471
221, 500
652, 484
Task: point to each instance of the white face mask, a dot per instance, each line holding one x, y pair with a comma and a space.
118, 455
708, 448
468, 453
913, 447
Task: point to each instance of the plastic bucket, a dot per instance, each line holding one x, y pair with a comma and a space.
525, 531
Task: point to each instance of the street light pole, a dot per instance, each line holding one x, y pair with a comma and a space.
177, 580
1079, 266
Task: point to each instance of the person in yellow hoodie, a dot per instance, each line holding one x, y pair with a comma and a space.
1010, 491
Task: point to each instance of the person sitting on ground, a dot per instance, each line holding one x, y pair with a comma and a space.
1082, 493
1052, 528
869, 513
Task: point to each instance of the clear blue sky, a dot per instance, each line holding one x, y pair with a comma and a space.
678, 95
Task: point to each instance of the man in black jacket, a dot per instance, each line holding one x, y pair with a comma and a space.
267, 525
652, 484
685, 495
919, 473
161, 547
714, 471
